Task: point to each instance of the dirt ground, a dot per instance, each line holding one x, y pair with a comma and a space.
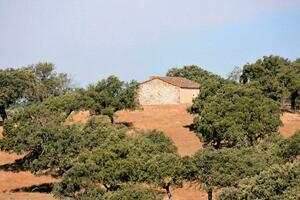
25, 196
10, 180
291, 123
172, 120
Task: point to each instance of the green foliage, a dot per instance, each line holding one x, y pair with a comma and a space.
290, 148
97, 160
30, 84
164, 170
111, 95
235, 74
271, 143
71, 101
105, 98
287, 149
132, 192
53, 146
193, 73
277, 77
278, 182
235, 116
49, 82
15, 85
128, 192
115, 164
208, 81
225, 167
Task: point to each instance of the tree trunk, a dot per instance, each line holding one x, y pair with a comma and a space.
69, 112
112, 120
218, 144
3, 112
170, 196
209, 193
106, 187
294, 97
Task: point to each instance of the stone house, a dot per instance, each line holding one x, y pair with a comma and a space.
167, 90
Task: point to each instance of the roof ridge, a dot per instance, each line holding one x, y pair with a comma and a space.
176, 81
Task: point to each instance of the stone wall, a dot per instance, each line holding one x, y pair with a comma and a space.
187, 95
157, 92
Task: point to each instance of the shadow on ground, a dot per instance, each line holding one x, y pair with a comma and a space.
43, 188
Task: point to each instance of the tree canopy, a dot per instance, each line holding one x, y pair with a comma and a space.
194, 73
276, 76
111, 95
235, 116
164, 170
278, 182
54, 147
49, 82
221, 168
30, 84
15, 85
117, 164
244, 156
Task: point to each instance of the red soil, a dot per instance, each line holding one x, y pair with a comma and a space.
173, 120
25, 196
291, 123
80, 116
11, 180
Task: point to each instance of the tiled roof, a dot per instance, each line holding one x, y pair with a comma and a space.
177, 81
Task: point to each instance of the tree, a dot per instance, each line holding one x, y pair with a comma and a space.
30, 84
133, 192
114, 165
222, 168
54, 147
235, 116
49, 82
111, 95
15, 85
164, 170
277, 77
194, 73
235, 74
278, 182
208, 81
290, 147
287, 149
289, 76
69, 102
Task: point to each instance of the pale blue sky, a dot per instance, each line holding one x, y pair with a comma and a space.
134, 39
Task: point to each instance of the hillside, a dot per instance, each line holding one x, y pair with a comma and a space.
173, 120
291, 123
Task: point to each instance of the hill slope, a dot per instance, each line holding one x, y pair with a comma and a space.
171, 119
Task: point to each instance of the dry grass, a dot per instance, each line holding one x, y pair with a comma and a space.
173, 120
78, 117
291, 123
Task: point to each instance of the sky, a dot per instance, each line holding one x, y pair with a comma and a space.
135, 39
